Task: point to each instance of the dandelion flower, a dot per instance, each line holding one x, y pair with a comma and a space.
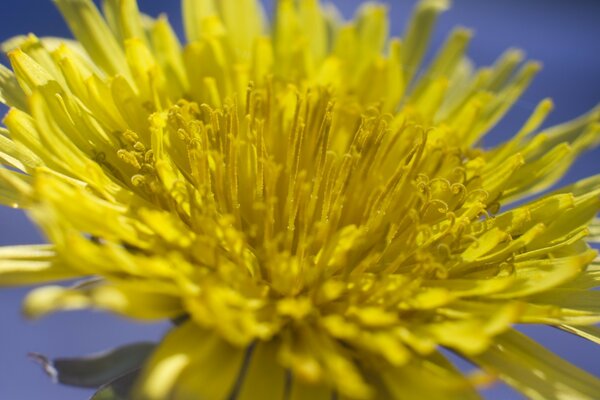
311, 205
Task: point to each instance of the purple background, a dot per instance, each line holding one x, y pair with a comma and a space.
563, 35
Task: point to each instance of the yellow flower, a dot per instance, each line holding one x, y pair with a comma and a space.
315, 209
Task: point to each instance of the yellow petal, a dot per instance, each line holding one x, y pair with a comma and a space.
195, 12
244, 21
428, 378
127, 302
536, 372
10, 92
16, 155
576, 299
167, 50
446, 61
418, 33
536, 276
28, 265
591, 333
171, 358
91, 31
264, 377
301, 391
15, 188
213, 371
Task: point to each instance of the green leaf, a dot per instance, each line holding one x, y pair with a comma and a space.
99, 369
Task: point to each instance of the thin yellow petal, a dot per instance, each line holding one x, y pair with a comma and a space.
264, 377
535, 371
171, 358
28, 265
10, 92
127, 302
213, 371
91, 31
418, 32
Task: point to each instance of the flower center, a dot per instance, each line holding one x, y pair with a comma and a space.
325, 207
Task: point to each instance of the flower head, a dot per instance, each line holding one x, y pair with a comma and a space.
314, 207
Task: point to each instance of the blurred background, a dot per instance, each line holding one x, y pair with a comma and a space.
562, 35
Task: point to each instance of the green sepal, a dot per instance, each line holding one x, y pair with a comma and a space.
117, 389
96, 370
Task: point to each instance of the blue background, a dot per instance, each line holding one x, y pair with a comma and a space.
564, 35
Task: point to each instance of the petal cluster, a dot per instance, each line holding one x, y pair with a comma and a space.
309, 203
